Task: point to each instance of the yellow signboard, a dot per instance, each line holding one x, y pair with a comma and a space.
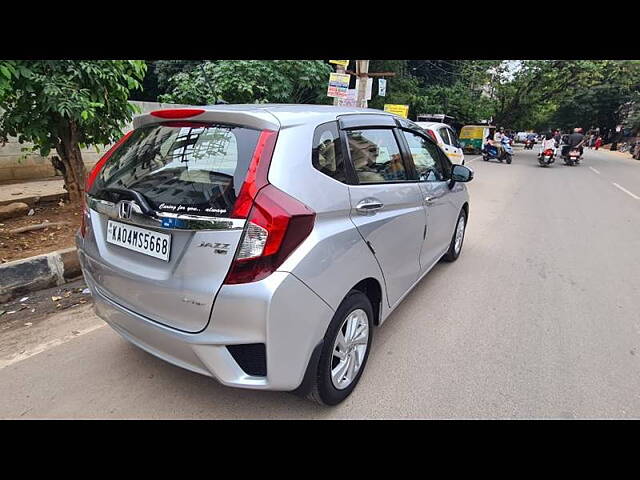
338, 85
344, 63
401, 110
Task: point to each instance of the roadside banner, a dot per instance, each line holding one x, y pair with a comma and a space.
344, 63
401, 110
350, 100
338, 85
382, 87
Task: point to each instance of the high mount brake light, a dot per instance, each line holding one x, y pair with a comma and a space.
276, 222
178, 112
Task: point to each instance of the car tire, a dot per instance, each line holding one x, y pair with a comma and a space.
324, 389
454, 251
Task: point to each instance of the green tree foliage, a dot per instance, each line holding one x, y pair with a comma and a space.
164, 70
63, 104
8, 72
565, 93
251, 81
604, 102
402, 89
438, 86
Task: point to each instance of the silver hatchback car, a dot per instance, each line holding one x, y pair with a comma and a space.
261, 244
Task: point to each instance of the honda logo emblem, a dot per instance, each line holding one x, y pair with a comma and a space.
124, 209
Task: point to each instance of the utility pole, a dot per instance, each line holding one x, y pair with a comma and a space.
362, 71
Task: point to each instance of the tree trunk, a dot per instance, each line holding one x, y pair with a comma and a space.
70, 162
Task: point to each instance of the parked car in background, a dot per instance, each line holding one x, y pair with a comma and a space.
446, 139
262, 244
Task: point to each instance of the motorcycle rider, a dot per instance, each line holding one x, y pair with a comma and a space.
497, 140
490, 146
549, 143
531, 138
575, 141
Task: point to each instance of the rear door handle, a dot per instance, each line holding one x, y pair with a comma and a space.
369, 205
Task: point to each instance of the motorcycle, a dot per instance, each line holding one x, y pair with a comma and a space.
490, 152
571, 156
528, 144
547, 157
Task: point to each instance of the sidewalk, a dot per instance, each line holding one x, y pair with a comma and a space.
28, 191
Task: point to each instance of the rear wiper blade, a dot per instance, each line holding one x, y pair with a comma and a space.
134, 195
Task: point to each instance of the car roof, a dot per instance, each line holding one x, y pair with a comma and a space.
285, 114
432, 124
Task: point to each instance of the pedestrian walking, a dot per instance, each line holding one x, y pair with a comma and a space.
598, 143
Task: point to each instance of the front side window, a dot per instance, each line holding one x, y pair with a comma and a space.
425, 158
327, 152
376, 156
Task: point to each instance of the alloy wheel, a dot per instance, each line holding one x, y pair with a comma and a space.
459, 235
349, 349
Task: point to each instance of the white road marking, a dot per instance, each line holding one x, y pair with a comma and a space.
626, 191
46, 346
593, 169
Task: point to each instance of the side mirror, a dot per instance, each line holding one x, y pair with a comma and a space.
460, 173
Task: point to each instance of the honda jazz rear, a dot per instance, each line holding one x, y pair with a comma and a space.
221, 239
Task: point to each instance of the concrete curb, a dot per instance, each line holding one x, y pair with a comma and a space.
31, 201
39, 272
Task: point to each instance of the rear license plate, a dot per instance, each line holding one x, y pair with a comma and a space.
140, 240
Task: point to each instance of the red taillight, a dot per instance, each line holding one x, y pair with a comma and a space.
548, 152
95, 171
276, 222
432, 134
178, 113
91, 178
256, 174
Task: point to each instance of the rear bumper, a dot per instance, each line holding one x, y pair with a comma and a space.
279, 311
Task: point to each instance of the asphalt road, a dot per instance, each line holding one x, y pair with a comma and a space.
539, 318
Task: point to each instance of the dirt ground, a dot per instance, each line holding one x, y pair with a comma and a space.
15, 246
33, 307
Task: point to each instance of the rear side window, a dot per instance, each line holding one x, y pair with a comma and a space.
327, 154
444, 133
454, 138
185, 168
376, 156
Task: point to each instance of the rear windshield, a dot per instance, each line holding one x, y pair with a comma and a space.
185, 168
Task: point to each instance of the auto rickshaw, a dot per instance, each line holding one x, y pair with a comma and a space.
472, 137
